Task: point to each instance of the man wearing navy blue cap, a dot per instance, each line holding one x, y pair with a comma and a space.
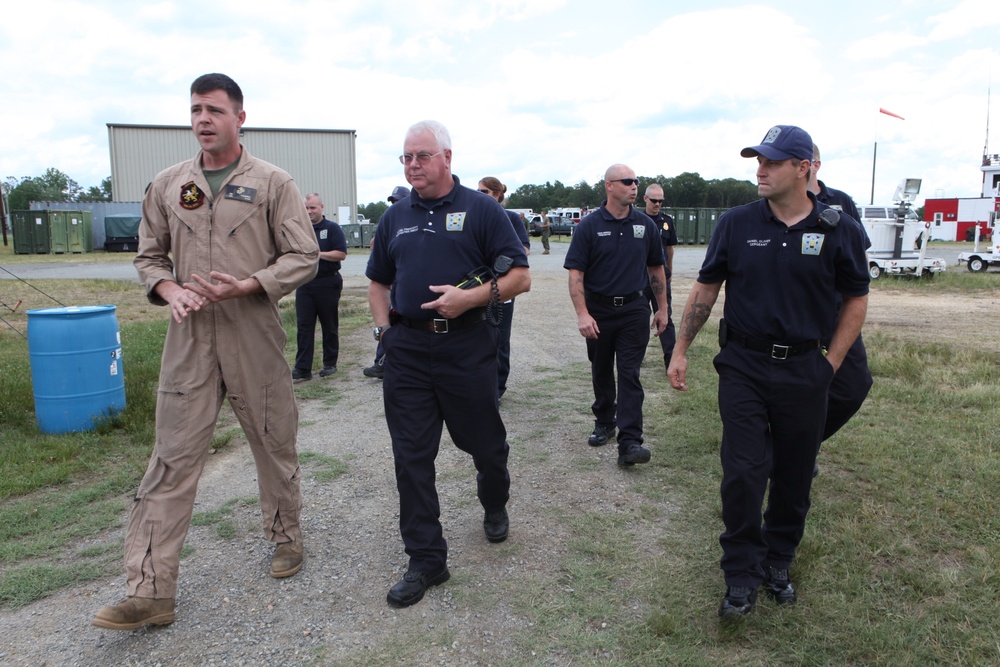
441, 350
784, 260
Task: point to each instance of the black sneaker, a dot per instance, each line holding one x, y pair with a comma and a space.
299, 375
632, 453
327, 371
496, 525
778, 586
738, 602
601, 435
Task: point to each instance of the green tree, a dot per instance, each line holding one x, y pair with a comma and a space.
729, 192
53, 185
100, 192
374, 210
686, 190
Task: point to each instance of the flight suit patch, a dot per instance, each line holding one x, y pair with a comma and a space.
241, 193
638, 231
455, 222
812, 243
192, 196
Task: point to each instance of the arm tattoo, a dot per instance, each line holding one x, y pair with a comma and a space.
655, 284
695, 319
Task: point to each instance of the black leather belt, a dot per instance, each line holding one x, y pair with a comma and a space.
776, 350
442, 325
611, 300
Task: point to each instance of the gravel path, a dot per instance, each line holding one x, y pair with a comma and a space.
230, 612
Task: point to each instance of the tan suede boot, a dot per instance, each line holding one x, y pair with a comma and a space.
135, 612
287, 560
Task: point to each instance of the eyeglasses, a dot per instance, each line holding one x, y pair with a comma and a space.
485, 191
421, 158
628, 182
654, 201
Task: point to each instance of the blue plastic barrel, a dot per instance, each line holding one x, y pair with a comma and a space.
76, 367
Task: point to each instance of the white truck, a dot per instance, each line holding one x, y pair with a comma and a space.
899, 238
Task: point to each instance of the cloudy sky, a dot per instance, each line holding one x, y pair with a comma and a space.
532, 90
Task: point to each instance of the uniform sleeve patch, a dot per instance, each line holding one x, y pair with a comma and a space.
812, 244
454, 222
638, 231
241, 193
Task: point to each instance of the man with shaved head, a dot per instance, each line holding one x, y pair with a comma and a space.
615, 253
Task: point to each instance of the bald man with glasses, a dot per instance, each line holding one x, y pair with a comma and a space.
614, 255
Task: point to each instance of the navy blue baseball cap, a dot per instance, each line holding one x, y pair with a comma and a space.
399, 192
782, 142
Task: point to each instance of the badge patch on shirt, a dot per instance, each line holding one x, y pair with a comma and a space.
241, 193
638, 231
191, 196
812, 243
323, 233
666, 226
454, 222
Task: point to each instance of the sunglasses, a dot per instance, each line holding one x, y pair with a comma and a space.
485, 191
654, 201
628, 182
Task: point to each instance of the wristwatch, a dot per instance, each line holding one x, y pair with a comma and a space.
377, 332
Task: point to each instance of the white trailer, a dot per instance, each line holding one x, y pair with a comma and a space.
899, 243
978, 260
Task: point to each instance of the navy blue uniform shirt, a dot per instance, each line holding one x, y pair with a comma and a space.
519, 228
782, 283
613, 254
330, 236
421, 242
837, 199
668, 231
842, 201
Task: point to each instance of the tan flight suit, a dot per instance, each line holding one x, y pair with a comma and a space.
256, 226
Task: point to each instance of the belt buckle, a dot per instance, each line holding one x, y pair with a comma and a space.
619, 300
779, 351
439, 325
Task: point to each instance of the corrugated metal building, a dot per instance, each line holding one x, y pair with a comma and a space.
322, 161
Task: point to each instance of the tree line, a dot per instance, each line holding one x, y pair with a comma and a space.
53, 185
687, 190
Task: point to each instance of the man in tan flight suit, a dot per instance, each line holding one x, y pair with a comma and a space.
223, 237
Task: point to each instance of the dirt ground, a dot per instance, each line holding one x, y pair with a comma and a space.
231, 613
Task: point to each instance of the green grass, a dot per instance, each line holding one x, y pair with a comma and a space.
898, 566
57, 491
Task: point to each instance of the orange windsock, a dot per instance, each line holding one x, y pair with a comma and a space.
889, 113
